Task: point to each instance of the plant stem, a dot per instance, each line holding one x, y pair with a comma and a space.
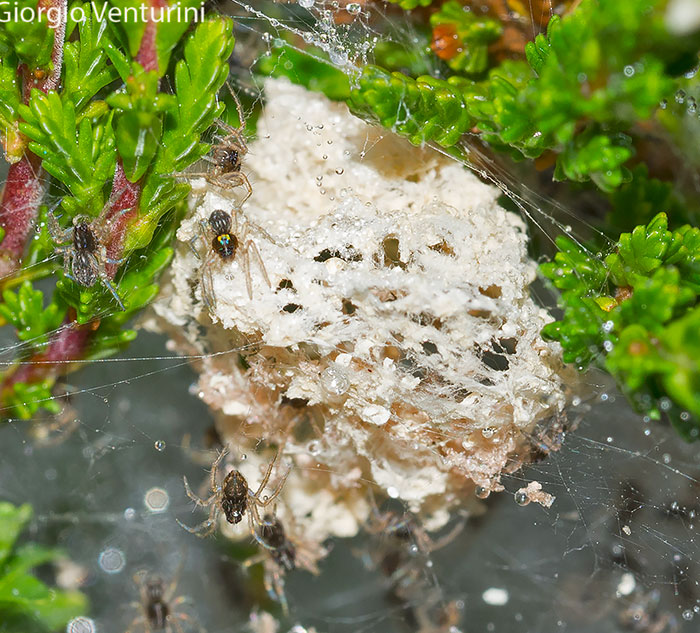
68, 343
25, 186
123, 204
71, 341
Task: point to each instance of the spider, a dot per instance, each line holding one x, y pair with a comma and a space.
280, 554
233, 498
227, 155
84, 254
226, 243
157, 606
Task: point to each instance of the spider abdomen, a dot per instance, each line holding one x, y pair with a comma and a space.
229, 160
225, 245
157, 613
84, 268
235, 497
282, 550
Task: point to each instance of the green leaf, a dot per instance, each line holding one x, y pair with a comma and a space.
12, 522
80, 155
85, 59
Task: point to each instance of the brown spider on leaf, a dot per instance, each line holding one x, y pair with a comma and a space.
84, 251
227, 155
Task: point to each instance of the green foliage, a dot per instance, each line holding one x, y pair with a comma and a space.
425, 109
474, 32
408, 5
79, 153
27, 605
638, 200
25, 311
85, 59
111, 117
585, 86
30, 41
308, 68
635, 314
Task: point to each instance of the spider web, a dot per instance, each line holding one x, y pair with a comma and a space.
616, 552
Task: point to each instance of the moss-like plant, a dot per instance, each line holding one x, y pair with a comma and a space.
635, 314
28, 605
102, 130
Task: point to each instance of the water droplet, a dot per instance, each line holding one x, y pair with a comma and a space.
335, 380
629, 71
663, 104
306, 4
156, 500
81, 625
392, 492
129, 514
521, 498
314, 447
680, 96
488, 431
338, 57
111, 560
495, 596
481, 492
354, 8
339, 171
687, 614
160, 445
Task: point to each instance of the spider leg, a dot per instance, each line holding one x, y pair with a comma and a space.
266, 502
268, 472
244, 181
206, 527
199, 234
171, 619
109, 260
254, 560
198, 501
56, 231
215, 468
139, 621
68, 264
189, 619
239, 107
274, 585
207, 283
251, 247
253, 518
191, 174
108, 284
245, 265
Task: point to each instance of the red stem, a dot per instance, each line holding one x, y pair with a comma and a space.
70, 341
124, 201
67, 344
25, 188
